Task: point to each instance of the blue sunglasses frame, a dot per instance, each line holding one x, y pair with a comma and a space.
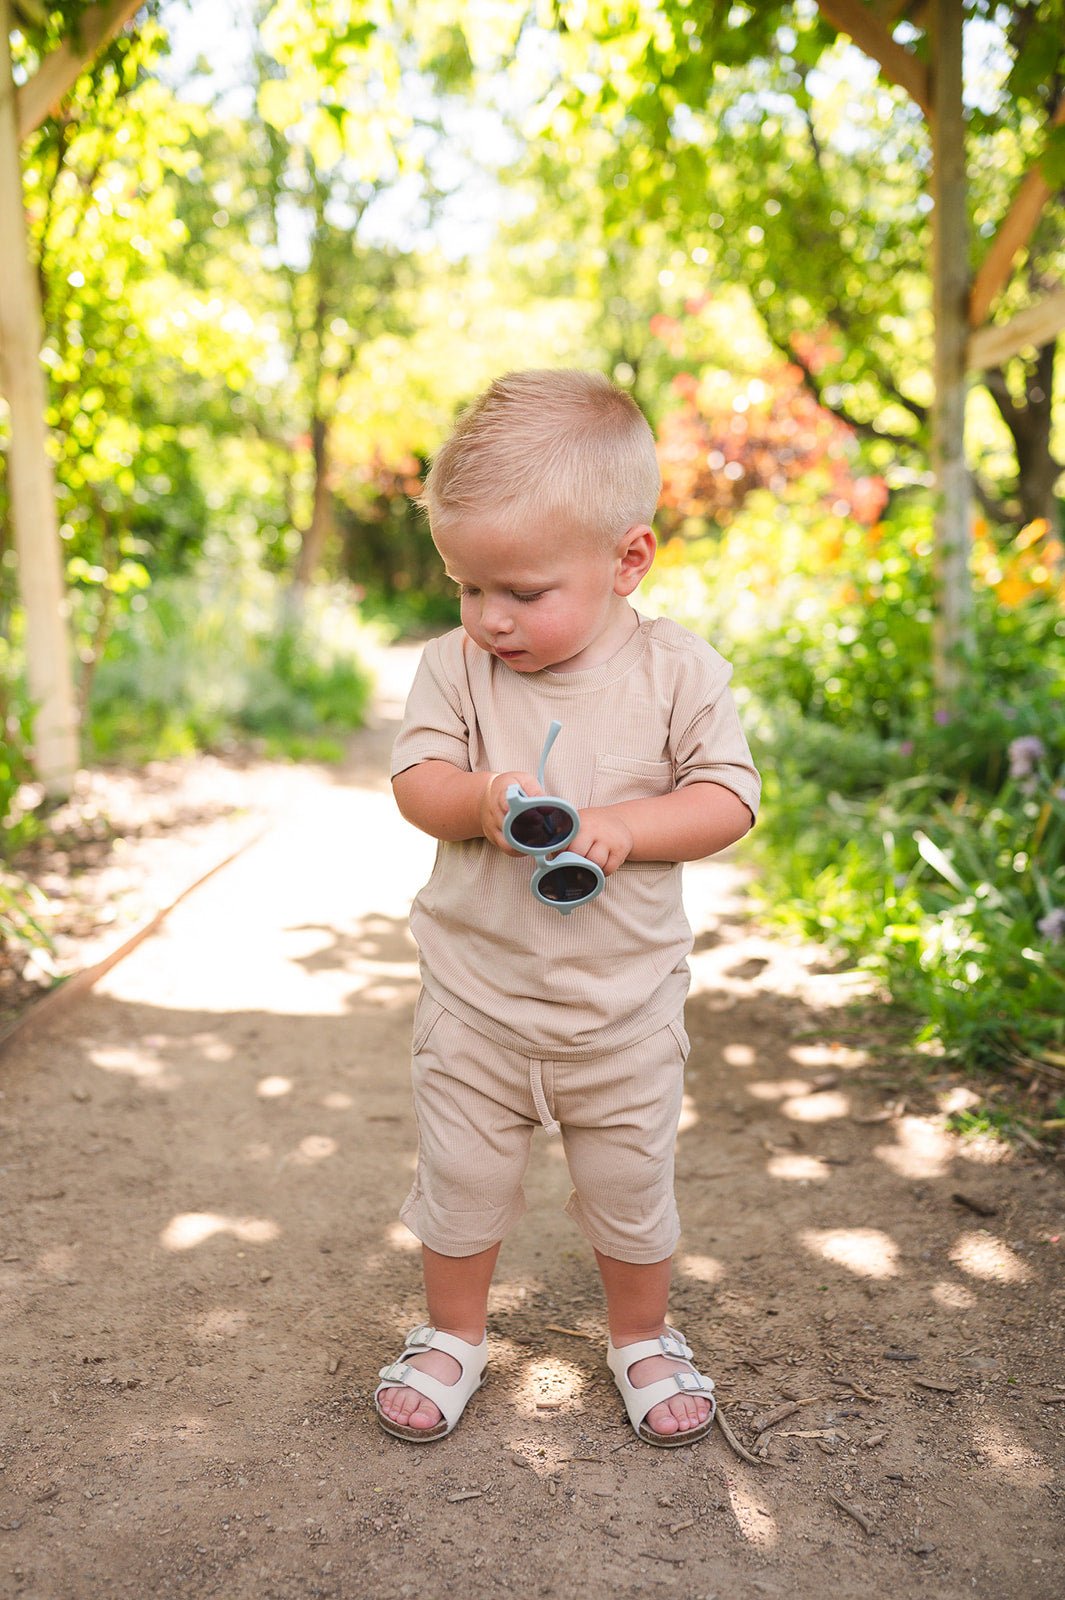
542, 826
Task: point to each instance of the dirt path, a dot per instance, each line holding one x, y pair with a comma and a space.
200, 1166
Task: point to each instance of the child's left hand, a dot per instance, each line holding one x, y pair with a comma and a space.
604, 838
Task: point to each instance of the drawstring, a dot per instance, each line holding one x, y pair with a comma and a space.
536, 1084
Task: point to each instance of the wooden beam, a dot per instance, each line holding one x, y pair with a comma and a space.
31, 11
892, 12
1014, 232
59, 71
31, 476
1035, 325
951, 622
897, 63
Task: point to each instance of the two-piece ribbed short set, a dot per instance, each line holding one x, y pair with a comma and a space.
528, 1018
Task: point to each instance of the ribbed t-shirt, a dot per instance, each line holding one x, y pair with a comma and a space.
658, 715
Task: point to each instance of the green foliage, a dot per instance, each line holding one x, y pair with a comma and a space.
928, 848
215, 660
22, 914
16, 824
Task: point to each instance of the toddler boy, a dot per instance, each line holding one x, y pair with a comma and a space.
540, 505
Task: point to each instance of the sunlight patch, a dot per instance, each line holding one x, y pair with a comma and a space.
865, 1251
921, 1150
132, 1063
738, 1055
826, 1106
957, 1099
796, 1168
338, 1102
315, 1147
400, 1237
954, 1296
547, 1384
1010, 1456
191, 1228
688, 1114
753, 1518
983, 1256
776, 1089
704, 1268
827, 1055
273, 1088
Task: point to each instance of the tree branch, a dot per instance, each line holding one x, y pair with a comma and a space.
36, 99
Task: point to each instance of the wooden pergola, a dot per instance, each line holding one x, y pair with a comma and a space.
965, 340
49, 668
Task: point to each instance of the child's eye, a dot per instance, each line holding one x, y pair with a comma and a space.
466, 590
525, 599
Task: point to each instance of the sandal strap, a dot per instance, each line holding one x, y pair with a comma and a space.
638, 1402
670, 1343
425, 1337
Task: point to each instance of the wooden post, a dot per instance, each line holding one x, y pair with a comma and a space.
32, 479
950, 297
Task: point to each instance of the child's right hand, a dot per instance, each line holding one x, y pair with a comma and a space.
493, 810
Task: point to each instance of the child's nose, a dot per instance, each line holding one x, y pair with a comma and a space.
495, 615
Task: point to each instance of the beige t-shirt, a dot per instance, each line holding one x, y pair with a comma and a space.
657, 715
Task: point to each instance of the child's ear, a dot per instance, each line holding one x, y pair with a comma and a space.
634, 554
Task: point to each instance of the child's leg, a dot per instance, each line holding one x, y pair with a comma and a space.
456, 1293
637, 1297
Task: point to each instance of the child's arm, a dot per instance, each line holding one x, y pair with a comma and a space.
450, 804
696, 820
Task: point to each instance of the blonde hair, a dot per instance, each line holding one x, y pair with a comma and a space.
562, 445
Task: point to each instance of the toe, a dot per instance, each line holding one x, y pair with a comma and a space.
660, 1419
408, 1409
689, 1412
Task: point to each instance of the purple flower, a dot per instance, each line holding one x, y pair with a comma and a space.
906, 747
1025, 755
942, 717
1052, 926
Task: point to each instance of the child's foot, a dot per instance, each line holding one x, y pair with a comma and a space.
677, 1415
406, 1406
424, 1393
668, 1401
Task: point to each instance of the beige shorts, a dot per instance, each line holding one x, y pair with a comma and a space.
477, 1104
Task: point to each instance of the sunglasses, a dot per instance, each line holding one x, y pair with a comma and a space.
542, 826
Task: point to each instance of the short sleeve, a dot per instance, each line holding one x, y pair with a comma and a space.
709, 745
434, 727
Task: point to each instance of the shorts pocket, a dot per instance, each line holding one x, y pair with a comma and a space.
683, 1042
620, 778
427, 1013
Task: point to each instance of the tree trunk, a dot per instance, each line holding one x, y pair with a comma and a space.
32, 481
950, 297
316, 534
1029, 425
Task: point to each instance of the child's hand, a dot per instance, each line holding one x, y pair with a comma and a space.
493, 810
604, 838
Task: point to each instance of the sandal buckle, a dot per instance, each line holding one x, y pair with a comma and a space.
689, 1382
395, 1372
422, 1334
671, 1346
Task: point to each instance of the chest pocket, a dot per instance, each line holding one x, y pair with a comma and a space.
620, 778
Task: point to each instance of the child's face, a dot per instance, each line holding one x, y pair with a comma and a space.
540, 598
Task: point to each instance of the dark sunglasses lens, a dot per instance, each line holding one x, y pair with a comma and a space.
541, 827
568, 883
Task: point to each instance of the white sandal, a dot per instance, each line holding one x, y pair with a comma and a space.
638, 1402
449, 1398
